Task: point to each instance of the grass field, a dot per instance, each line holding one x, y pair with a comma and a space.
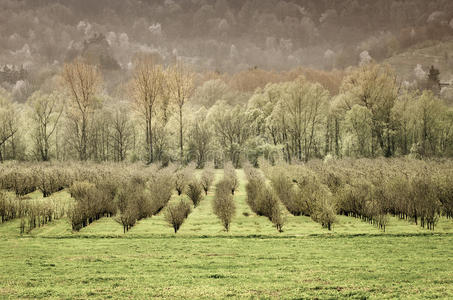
253, 260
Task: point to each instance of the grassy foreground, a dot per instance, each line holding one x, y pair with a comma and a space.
253, 260
360, 267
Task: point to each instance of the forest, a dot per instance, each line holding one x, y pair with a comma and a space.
165, 116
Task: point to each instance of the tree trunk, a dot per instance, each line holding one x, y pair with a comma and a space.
83, 141
327, 137
337, 133
180, 135
151, 158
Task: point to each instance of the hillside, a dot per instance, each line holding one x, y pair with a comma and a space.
430, 53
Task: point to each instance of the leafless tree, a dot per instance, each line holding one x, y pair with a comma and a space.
181, 83
46, 112
82, 81
223, 203
146, 87
176, 213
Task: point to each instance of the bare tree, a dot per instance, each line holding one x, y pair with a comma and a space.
195, 192
146, 86
231, 177
121, 132
200, 141
183, 176
83, 82
46, 112
232, 129
181, 84
207, 177
304, 107
176, 213
8, 123
223, 203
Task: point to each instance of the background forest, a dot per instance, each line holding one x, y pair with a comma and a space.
225, 80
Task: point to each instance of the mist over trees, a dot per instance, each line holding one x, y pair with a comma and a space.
223, 35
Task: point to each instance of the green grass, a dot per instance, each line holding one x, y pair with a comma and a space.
190, 267
253, 260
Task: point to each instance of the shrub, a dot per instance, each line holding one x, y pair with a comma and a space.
302, 193
9, 208
264, 166
144, 205
80, 189
262, 199
290, 194
59, 207
399, 192
138, 199
38, 213
141, 198
370, 189
445, 192
352, 197
223, 204
84, 209
176, 213
19, 179
231, 177
91, 204
108, 187
324, 211
255, 184
127, 217
207, 178
182, 178
133, 202
195, 192
308, 186
160, 189
76, 216
426, 202
270, 207
50, 179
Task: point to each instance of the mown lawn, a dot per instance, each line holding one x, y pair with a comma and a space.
253, 260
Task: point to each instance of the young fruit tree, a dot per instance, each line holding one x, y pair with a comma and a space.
207, 178
182, 177
223, 204
231, 177
177, 213
195, 192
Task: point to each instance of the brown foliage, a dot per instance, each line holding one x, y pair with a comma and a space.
176, 213
231, 177
207, 178
195, 192
262, 199
223, 203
